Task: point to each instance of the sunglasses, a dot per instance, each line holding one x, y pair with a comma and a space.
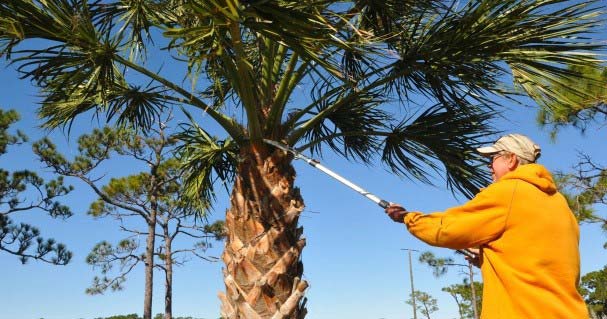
494, 157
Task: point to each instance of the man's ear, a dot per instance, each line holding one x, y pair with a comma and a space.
513, 162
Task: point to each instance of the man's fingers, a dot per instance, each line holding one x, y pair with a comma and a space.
394, 208
475, 251
396, 213
476, 260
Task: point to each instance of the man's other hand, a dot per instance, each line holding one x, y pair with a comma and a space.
476, 261
396, 212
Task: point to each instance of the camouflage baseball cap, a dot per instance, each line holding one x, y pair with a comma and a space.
517, 144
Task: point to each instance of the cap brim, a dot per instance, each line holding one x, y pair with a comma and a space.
487, 150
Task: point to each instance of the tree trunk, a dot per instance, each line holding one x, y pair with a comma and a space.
262, 253
473, 290
168, 275
459, 305
149, 268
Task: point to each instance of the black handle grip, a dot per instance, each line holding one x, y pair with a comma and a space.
384, 204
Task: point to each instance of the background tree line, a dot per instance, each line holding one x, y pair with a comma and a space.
152, 198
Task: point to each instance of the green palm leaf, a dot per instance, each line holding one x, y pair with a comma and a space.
205, 160
130, 106
344, 121
136, 18
454, 57
63, 21
440, 136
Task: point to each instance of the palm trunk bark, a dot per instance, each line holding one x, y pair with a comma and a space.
262, 253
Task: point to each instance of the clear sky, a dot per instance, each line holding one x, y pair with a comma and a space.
353, 258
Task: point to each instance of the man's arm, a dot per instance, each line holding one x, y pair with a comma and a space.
477, 222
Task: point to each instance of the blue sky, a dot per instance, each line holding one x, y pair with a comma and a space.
353, 258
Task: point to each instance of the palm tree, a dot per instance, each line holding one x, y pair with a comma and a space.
407, 83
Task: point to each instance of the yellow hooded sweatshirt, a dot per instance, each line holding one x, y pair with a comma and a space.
529, 242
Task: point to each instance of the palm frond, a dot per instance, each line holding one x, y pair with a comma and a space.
385, 17
89, 72
171, 170
344, 121
77, 73
543, 70
131, 106
220, 89
205, 160
440, 137
63, 21
307, 28
430, 61
136, 106
208, 35
136, 18
386, 22
460, 54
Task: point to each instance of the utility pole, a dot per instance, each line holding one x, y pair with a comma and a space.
411, 277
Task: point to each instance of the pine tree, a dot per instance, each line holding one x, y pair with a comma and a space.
152, 198
24, 190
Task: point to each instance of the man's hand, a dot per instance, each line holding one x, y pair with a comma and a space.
476, 261
396, 212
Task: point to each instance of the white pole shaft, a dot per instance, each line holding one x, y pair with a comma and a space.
346, 182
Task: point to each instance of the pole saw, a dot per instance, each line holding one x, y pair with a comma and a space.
316, 164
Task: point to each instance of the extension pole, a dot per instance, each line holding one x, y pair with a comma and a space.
382, 203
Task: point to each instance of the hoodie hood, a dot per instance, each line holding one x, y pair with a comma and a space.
534, 174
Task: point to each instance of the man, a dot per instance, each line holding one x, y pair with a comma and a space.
527, 235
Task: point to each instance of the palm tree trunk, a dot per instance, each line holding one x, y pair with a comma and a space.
262, 253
